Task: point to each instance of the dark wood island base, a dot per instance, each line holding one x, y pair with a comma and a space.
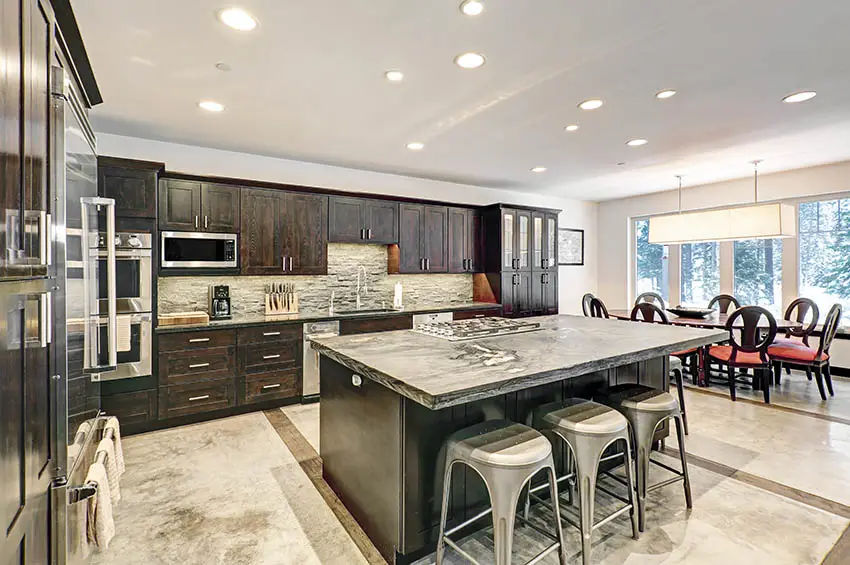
383, 453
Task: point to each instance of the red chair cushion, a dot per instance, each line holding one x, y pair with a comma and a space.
788, 342
723, 353
799, 353
684, 353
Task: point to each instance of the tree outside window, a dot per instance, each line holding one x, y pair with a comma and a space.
758, 273
824, 240
700, 273
651, 262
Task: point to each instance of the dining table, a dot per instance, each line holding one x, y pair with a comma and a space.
711, 321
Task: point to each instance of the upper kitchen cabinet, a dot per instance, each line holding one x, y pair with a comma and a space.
544, 241
132, 184
423, 239
193, 206
465, 240
362, 220
305, 233
283, 233
261, 243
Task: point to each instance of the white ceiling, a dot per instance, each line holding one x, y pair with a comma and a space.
308, 84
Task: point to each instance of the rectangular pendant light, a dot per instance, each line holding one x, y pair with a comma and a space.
759, 221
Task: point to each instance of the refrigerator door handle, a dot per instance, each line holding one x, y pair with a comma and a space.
45, 319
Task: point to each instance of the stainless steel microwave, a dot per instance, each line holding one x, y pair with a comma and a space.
199, 250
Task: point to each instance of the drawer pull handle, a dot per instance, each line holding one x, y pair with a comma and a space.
267, 334
271, 386
194, 398
479, 316
271, 356
199, 365
199, 340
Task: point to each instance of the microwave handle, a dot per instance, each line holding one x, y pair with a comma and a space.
111, 290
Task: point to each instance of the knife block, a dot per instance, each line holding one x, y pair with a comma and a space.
281, 303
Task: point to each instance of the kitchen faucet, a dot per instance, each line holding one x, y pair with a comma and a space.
365, 284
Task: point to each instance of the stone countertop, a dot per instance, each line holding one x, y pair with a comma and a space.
252, 320
438, 373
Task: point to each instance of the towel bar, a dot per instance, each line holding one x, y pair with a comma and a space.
89, 489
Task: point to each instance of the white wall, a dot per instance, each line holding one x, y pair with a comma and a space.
573, 281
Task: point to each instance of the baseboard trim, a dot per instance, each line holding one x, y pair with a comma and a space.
310, 398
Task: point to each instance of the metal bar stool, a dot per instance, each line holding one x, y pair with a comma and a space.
677, 369
646, 408
506, 455
587, 429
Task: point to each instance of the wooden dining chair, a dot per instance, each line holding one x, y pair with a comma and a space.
750, 351
585, 303
652, 298
809, 357
650, 313
597, 308
723, 302
797, 311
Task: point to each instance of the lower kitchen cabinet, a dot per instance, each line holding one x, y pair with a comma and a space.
475, 314
195, 398
517, 294
351, 327
131, 408
180, 367
277, 385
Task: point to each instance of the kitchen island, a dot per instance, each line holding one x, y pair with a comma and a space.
390, 400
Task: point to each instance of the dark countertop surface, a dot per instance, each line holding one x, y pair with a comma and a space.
253, 320
438, 373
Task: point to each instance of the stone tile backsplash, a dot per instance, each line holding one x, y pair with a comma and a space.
185, 294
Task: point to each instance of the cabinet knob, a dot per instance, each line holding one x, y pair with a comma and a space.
356, 380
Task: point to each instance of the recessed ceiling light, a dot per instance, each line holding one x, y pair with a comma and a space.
469, 60
211, 106
416, 146
394, 76
237, 18
621, 163
799, 97
538, 170
591, 104
572, 127
665, 94
472, 7
636, 142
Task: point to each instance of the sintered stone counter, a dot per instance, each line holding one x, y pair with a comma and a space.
390, 400
438, 373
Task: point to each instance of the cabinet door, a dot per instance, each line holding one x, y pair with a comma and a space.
133, 189
509, 258
522, 245
524, 297
538, 291
180, 205
550, 242
435, 228
220, 208
476, 241
508, 298
346, 219
411, 221
305, 234
260, 246
381, 221
538, 241
459, 244
550, 293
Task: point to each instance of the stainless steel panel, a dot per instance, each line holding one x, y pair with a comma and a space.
310, 369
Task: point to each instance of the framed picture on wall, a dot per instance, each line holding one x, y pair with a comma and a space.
570, 246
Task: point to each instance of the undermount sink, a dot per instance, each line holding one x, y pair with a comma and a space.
364, 311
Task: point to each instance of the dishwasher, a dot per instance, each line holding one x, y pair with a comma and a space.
310, 376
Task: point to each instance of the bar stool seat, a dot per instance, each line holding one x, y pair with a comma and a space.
582, 416
641, 397
501, 443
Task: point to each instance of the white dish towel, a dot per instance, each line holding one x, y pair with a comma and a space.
112, 423
100, 527
113, 475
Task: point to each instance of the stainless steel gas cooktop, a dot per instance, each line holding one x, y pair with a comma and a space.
475, 329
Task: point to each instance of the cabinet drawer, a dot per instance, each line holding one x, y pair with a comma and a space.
190, 366
131, 407
267, 334
349, 327
472, 314
196, 340
264, 357
195, 398
271, 386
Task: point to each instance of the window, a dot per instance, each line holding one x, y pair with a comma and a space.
824, 239
758, 273
651, 262
700, 273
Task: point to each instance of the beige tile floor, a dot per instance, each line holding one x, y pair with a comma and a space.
230, 492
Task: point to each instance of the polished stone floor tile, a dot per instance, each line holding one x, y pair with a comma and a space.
306, 419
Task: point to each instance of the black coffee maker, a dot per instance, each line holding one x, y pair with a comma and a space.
220, 302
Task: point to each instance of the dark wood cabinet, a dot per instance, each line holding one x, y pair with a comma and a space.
194, 206
196, 398
362, 220
270, 363
423, 239
261, 241
220, 208
180, 205
132, 184
544, 241
131, 408
544, 292
360, 326
517, 293
305, 234
465, 240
